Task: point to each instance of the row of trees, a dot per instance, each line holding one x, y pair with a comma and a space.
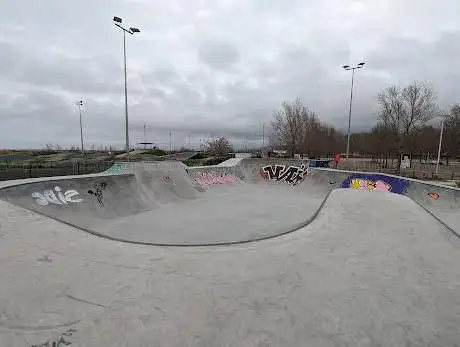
299, 130
402, 125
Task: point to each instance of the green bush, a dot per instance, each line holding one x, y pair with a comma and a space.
198, 156
193, 162
46, 152
157, 152
217, 160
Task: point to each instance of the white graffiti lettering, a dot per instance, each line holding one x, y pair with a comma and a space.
289, 174
56, 197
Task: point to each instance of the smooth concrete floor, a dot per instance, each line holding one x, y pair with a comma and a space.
373, 269
226, 214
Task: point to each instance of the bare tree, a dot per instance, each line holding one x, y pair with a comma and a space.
403, 111
320, 138
333, 140
452, 127
290, 122
382, 139
218, 147
49, 147
423, 141
299, 130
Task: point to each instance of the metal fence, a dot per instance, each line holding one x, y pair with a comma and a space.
13, 171
450, 171
418, 170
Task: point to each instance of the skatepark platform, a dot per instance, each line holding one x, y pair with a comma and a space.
262, 253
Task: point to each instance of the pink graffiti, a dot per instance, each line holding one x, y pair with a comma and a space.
370, 185
212, 178
382, 186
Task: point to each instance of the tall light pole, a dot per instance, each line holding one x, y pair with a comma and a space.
263, 135
440, 143
145, 135
117, 21
352, 68
80, 104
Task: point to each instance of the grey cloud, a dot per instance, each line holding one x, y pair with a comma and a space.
70, 74
166, 74
219, 55
436, 62
191, 75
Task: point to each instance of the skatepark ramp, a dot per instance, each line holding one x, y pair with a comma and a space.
168, 203
365, 259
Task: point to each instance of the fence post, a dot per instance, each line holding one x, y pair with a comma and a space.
78, 167
30, 170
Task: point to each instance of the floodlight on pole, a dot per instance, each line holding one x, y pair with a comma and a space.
80, 104
117, 21
352, 68
443, 118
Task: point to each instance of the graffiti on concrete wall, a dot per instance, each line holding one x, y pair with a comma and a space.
212, 178
285, 173
433, 195
61, 340
56, 197
376, 182
98, 192
359, 183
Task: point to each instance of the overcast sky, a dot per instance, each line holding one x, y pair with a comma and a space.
202, 68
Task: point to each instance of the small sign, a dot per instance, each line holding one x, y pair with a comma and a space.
405, 161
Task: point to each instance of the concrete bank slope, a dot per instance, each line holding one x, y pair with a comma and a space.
441, 202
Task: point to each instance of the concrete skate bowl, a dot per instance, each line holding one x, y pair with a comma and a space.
168, 203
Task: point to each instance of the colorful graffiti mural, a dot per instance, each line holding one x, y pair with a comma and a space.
376, 182
358, 183
289, 174
212, 178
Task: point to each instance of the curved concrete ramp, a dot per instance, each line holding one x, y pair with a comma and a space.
441, 202
169, 204
162, 204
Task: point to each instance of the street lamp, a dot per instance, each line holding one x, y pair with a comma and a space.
80, 104
440, 143
117, 21
352, 68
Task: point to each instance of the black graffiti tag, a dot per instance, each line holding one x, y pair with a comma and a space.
60, 341
98, 193
289, 174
